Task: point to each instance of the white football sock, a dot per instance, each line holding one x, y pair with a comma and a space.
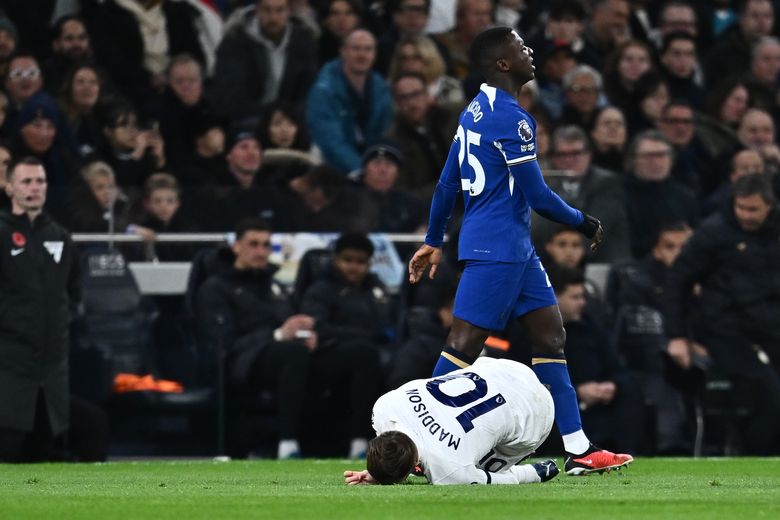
286, 448
576, 443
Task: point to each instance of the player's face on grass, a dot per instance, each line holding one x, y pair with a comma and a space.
751, 212
353, 264
669, 245
571, 302
566, 249
252, 250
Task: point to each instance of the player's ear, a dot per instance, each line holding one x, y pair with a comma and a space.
502, 64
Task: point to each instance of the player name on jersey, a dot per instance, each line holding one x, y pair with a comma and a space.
429, 421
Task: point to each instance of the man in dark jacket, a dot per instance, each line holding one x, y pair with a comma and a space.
596, 190
265, 57
734, 257
353, 313
38, 284
247, 313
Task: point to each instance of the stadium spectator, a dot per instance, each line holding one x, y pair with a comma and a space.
409, 18
265, 57
183, 103
419, 55
471, 18
595, 190
134, 42
9, 38
266, 346
606, 30
762, 80
39, 278
82, 95
349, 107
744, 162
582, 86
4, 129
730, 55
554, 63
610, 399
206, 137
691, 162
739, 301
629, 62
132, 152
676, 16
609, 137
341, 18
513, 431
22, 81
423, 131
327, 202
724, 107
354, 320
565, 23
285, 140
653, 198
70, 46
5, 162
756, 132
635, 293
562, 247
395, 210
678, 64
96, 204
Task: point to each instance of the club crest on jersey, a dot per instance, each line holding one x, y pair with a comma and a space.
18, 239
524, 131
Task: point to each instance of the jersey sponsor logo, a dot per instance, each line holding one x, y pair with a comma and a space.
17, 252
18, 239
524, 131
429, 423
54, 247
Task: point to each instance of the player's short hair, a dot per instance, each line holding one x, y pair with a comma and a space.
485, 48
27, 160
391, 457
251, 224
357, 241
754, 184
562, 277
95, 169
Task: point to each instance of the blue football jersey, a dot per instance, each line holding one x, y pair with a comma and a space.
492, 160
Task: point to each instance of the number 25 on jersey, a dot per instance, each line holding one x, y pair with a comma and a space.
467, 140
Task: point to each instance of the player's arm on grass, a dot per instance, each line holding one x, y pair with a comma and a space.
522, 474
441, 209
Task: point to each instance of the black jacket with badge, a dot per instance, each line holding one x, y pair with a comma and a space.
239, 309
349, 313
739, 274
39, 281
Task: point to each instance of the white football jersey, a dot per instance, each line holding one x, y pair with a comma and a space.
472, 425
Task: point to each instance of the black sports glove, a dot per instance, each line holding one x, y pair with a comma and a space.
589, 226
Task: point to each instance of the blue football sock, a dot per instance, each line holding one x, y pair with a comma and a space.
554, 374
450, 360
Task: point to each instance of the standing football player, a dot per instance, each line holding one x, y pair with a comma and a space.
471, 426
493, 162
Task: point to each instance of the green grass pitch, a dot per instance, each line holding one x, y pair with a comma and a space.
313, 489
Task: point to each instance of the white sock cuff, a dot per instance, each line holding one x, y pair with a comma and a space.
576, 442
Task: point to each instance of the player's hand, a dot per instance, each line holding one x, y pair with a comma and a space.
425, 256
680, 352
591, 228
354, 478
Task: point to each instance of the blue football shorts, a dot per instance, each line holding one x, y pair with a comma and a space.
490, 293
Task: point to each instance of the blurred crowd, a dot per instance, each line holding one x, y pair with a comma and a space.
659, 118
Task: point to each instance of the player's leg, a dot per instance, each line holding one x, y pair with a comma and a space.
485, 299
